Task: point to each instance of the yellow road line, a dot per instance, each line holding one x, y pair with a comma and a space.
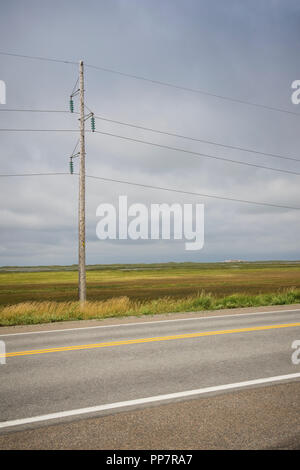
148, 340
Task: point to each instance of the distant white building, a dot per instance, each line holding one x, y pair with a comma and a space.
233, 261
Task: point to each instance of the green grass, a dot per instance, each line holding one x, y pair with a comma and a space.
147, 282
45, 312
42, 294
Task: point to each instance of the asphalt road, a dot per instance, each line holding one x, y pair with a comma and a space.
219, 367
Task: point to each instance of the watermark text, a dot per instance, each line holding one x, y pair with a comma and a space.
159, 222
2, 92
2, 353
296, 353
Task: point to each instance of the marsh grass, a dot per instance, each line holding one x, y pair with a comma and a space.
142, 283
49, 311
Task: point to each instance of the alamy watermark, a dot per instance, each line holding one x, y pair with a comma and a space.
296, 353
2, 92
295, 96
159, 222
2, 353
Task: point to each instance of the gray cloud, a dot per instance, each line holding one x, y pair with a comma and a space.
242, 49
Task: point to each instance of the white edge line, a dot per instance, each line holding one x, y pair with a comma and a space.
146, 322
142, 401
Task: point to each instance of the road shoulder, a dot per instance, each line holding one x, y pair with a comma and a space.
142, 319
257, 418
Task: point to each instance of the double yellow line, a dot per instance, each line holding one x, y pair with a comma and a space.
148, 340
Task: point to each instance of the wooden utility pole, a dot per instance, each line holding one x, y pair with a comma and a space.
81, 215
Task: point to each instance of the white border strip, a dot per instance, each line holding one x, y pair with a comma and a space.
147, 322
142, 401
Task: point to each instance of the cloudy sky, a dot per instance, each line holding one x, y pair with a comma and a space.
246, 49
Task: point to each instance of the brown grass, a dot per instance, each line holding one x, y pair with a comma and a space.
45, 312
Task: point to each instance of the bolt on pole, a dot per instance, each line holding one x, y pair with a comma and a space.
81, 215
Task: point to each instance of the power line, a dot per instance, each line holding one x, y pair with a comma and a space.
47, 59
38, 130
168, 147
194, 90
194, 139
198, 154
34, 110
161, 188
31, 174
158, 82
159, 131
193, 193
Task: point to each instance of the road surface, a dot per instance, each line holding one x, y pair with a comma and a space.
139, 381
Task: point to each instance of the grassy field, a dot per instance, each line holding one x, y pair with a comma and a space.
39, 294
